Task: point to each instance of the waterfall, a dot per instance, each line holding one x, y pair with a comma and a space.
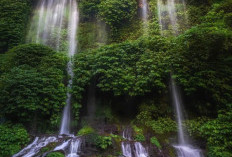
184, 147
73, 23
144, 6
179, 115
131, 148
51, 20
144, 13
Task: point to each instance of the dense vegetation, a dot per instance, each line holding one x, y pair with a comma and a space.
32, 88
126, 67
14, 17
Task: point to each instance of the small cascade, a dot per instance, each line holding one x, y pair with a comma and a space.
131, 148
140, 151
35, 147
71, 147
126, 149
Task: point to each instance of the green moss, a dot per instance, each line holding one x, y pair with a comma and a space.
55, 154
85, 131
155, 141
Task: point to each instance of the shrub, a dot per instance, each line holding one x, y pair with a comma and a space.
218, 134
130, 68
163, 125
103, 142
32, 87
140, 138
85, 131
12, 139
155, 141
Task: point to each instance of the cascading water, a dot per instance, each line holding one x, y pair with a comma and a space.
36, 146
71, 147
144, 13
144, 6
131, 148
47, 27
73, 23
167, 8
184, 148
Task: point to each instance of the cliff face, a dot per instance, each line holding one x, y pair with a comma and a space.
126, 54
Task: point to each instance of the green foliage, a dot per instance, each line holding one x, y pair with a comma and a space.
193, 126
149, 111
115, 13
138, 134
200, 62
55, 154
130, 68
12, 139
137, 130
218, 134
91, 35
103, 142
88, 9
155, 141
14, 16
85, 131
140, 138
32, 88
163, 125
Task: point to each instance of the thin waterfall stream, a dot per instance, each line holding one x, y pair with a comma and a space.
184, 147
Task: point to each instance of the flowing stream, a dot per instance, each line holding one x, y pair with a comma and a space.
184, 147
